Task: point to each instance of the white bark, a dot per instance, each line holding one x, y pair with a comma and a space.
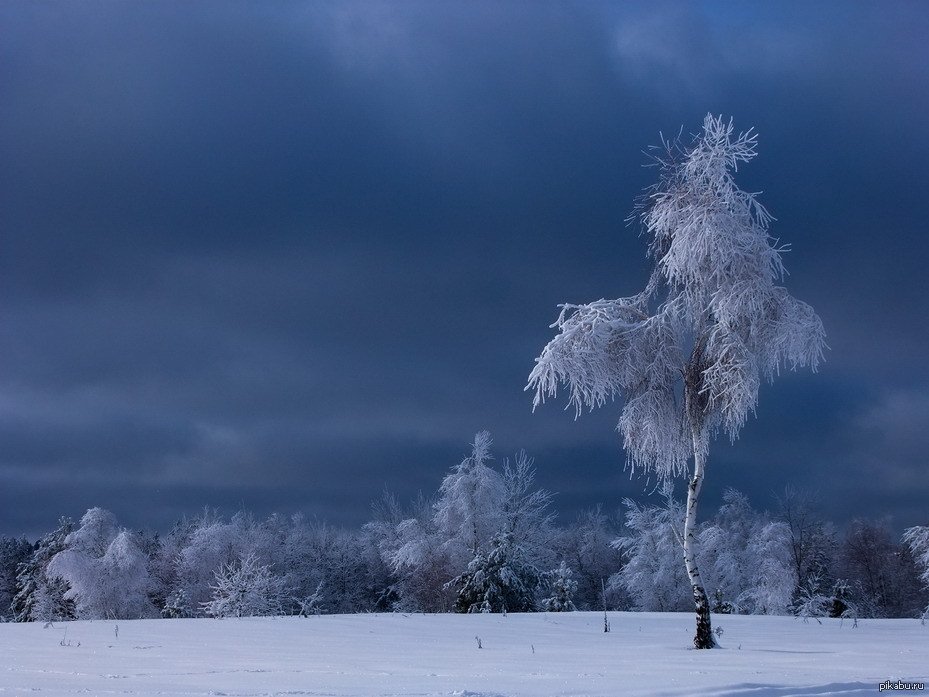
704, 637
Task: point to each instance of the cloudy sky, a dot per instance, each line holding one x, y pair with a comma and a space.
281, 255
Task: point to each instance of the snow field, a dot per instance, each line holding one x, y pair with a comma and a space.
393, 655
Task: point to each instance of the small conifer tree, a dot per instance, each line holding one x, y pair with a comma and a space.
39, 597
563, 588
178, 605
501, 581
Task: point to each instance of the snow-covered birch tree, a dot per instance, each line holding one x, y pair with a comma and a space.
105, 569
688, 353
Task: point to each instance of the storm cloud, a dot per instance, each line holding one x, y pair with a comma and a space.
281, 255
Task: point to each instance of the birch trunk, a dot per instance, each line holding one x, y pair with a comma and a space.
703, 639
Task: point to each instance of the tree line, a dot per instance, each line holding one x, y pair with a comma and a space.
486, 541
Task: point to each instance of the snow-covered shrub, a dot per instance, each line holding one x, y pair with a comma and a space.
245, 588
842, 602
311, 604
811, 601
425, 549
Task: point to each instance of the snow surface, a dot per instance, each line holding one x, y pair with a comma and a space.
389, 655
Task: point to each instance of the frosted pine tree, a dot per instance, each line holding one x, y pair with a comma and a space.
688, 353
499, 581
41, 597
14, 553
563, 589
177, 605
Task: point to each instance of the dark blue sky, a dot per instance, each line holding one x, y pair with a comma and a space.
280, 255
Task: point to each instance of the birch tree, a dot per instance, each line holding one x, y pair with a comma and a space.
688, 352
105, 569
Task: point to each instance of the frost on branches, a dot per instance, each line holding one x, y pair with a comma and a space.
245, 588
688, 353
104, 569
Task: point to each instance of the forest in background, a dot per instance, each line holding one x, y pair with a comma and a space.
486, 541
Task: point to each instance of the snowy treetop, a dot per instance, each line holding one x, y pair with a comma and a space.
687, 353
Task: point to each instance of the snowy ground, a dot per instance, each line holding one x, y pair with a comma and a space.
538, 655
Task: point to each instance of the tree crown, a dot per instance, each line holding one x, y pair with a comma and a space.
689, 351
